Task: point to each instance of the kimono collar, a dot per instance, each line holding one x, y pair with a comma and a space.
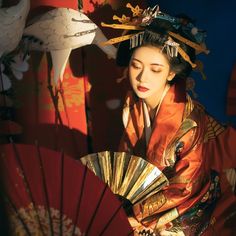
166, 123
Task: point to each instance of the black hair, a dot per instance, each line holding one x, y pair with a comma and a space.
156, 34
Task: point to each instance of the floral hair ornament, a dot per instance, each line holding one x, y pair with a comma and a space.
142, 18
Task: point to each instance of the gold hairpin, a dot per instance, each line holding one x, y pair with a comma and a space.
118, 39
186, 57
122, 26
126, 24
137, 11
123, 20
196, 46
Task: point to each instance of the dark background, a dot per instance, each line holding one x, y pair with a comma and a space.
218, 19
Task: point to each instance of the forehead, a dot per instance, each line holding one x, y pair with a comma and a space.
150, 55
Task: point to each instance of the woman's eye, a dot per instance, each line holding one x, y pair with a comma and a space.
136, 66
156, 70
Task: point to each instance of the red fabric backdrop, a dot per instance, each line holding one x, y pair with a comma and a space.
86, 124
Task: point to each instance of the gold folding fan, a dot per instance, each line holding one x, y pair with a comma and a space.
128, 176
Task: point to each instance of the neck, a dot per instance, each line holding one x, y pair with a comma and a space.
153, 104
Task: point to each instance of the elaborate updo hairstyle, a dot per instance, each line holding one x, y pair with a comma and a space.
156, 34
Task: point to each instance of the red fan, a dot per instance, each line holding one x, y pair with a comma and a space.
48, 193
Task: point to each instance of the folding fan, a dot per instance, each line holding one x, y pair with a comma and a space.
47, 193
128, 176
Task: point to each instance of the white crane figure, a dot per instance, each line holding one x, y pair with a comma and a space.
61, 30
12, 24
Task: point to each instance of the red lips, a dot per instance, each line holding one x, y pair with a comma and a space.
142, 89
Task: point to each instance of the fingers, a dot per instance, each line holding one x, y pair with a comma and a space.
140, 230
146, 232
133, 222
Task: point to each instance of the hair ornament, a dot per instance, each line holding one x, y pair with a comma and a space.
136, 40
137, 11
118, 39
186, 57
171, 47
148, 15
199, 48
142, 18
121, 26
123, 20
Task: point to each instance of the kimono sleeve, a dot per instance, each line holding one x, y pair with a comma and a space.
222, 150
188, 186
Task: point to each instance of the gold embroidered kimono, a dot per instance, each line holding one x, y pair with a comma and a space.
193, 150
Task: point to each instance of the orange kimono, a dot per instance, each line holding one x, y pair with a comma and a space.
193, 151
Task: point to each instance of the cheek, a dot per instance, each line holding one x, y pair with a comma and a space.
158, 80
132, 75
132, 81
154, 78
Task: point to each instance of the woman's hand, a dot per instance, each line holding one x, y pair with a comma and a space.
169, 233
140, 229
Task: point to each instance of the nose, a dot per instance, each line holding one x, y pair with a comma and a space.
142, 76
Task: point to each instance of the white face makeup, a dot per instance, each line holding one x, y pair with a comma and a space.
149, 72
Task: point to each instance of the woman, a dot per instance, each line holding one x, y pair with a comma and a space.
164, 125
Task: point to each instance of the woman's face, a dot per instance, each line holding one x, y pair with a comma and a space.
149, 72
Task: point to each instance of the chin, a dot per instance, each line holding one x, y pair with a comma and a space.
142, 95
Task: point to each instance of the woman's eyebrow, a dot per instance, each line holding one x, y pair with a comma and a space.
156, 64
136, 59
152, 64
